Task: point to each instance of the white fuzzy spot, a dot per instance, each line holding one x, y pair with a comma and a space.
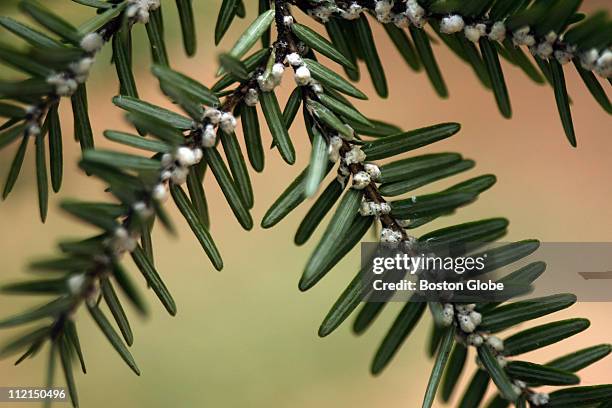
452, 24
466, 323
252, 97
316, 86
209, 136
75, 283
92, 42
288, 21
373, 170
322, 13
475, 317
415, 13
604, 64
138, 10
277, 71
335, 144
496, 343
361, 180
475, 31
390, 236
498, 31
352, 13
294, 59
302, 75
382, 9
539, 398
64, 86
543, 50
589, 58
355, 155
228, 122
448, 314
522, 37
198, 154
266, 83
166, 160
475, 340
179, 175
185, 156
564, 56
213, 115
160, 193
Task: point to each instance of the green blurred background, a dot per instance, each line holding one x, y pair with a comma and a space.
246, 337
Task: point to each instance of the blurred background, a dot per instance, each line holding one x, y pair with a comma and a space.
246, 336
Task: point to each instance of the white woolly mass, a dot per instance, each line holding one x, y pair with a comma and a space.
81, 69
209, 136
539, 398
521, 384
92, 42
501, 360
522, 37
604, 64
198, 153
302, 76
123, 241
228, 122
322, 13
160, 193
33, 130
355, 155
475, 340
496, 343
75, 283
352, 13
277, 71
165, 175
138, 10
498, 31
465, 308
213, 115
390, 236
383, 8
252, 97
545, 48
563, 56
466, 324
266, 83
185, 156
179, 175
452, 24
316, 86
369, 208
335, 143
288, 21
475, 31
401, 21
589, 58
448, 314
166, 160
415, 13
361, 180
475, 317
64, 86
142, 209
294, 59
373, 170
